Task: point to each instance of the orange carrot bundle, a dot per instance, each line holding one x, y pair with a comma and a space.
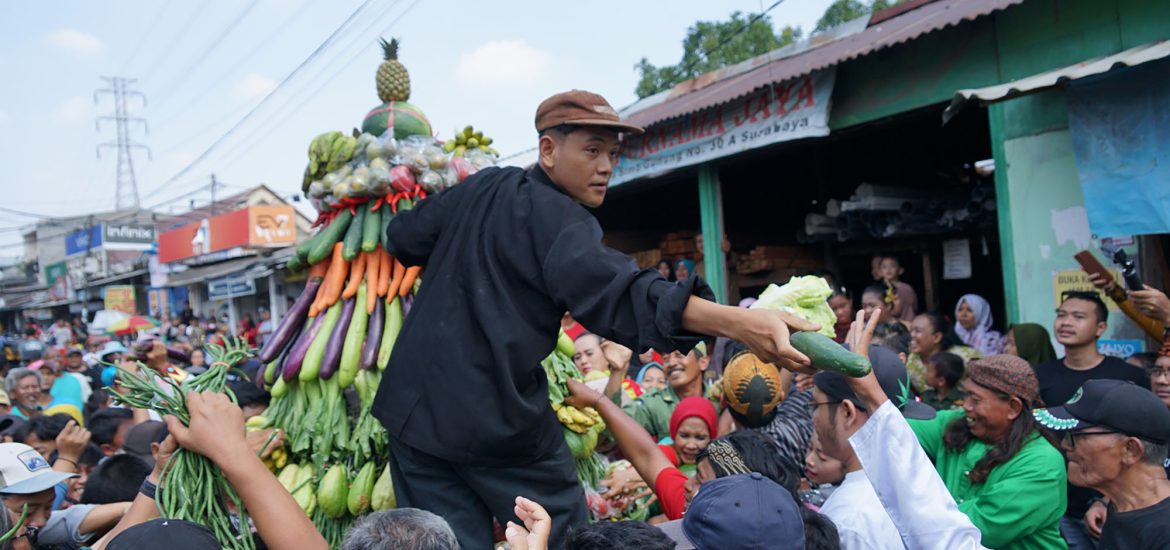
356, 269
373, 266
408, 280
385, 266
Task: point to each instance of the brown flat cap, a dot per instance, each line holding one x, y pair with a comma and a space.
1008, 374
581, 108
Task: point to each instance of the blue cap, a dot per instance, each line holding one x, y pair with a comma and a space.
737, 512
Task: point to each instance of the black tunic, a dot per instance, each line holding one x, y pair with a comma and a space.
506, 254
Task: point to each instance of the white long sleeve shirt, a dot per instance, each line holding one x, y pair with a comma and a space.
908, 486
861, 520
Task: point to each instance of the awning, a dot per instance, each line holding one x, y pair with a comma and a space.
709, 90
202, 273
1058, 77
115, 278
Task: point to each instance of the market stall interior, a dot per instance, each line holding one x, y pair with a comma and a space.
905, 185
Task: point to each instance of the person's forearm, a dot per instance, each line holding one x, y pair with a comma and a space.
279, 520
615, 382
709, 318
103, 517
635, 442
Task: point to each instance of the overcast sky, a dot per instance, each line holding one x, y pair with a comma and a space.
204, 64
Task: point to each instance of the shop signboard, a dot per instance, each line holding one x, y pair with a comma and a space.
203, 237
231, 286
57, 279
272, 225
83, 240
120, 298
1076, 280
1120, 348
783, 111
127, 236
261, 226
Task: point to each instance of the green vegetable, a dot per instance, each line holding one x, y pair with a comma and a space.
351, 351
311, 368
394, 320
806, 297
565, 344
353, 236
358, 501
383, 495
332, 492
303, 491
829, 355
323, 243
373, 223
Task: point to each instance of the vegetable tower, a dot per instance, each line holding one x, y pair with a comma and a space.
336, 339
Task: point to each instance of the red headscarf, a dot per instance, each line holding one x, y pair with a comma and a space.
694, 406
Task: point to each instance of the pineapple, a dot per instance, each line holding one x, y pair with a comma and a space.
393, 80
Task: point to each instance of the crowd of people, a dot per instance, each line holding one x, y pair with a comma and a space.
719, 434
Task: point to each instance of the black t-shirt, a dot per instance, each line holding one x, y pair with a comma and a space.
506, 254
1058, 383
1144, 529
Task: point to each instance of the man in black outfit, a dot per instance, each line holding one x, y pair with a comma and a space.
509, 251
1080, 321
1115, 435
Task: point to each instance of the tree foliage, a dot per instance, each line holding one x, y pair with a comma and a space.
711, 45
841, 11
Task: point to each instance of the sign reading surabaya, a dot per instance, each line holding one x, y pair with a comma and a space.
779, 112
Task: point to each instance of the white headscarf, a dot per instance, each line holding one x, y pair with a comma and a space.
982, 338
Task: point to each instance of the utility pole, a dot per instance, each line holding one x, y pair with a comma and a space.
213, 184
127, 185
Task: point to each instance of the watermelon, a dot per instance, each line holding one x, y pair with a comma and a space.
406, 119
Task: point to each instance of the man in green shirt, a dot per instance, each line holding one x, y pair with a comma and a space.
1005, 476
684, 376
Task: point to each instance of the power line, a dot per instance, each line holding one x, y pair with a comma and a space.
265, 127
751, 21
215, 43
162, 9
315, 53
213, 83
178, 38
27, 214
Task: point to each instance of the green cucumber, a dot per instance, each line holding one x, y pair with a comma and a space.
353, 236
295, 264
370, 229
829, 355
329, 236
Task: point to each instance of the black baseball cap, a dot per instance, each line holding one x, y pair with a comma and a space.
891, 375
166, 533
1119, 405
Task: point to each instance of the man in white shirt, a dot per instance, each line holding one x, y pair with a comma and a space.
838, 413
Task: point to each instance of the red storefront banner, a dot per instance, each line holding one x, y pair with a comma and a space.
228, 231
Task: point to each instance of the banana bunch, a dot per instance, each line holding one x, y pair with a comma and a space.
578, 420
278, 458
328, 152
468, 140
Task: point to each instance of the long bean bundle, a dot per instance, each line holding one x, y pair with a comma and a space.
192, 488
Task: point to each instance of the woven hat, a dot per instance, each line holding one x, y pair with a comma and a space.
1008, 374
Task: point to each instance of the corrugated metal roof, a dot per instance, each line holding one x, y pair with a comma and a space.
707, 90
1128, 58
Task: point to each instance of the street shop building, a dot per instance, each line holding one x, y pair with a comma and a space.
984, 142
226, 259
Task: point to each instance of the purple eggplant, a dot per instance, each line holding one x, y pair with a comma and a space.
407, 302
143, 346
291, 325
296, 354
336, 343
374, 336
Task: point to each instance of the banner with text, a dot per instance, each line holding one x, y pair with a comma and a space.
784, 111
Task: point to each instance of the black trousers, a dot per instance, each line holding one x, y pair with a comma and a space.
468, 497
